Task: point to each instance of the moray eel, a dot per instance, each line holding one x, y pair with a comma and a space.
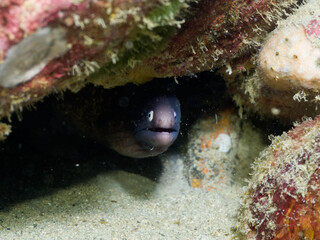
150, 131
137, 124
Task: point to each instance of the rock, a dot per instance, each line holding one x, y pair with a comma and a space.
112, 43
284, 83
288, 60
104, 38
282, 199
221, 149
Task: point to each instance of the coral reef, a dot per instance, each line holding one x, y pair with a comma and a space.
218, 33
284, 83
282, 201
99, 35
48, 46
111, 43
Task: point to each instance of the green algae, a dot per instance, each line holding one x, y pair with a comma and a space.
146, 39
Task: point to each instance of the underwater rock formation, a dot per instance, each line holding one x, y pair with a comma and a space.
218, 33
282, 200
284, 83
48, 46
90, 35
288, 60
220, 150
111, 43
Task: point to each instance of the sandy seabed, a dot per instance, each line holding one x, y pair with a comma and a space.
121, 205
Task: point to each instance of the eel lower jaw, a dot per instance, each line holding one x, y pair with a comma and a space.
155, 138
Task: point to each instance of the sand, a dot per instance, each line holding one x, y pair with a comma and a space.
122, 205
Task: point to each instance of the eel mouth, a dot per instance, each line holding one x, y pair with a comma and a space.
156, 139
169, 130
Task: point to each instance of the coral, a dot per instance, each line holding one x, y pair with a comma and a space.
218, 33
111, 43
289, 60
102, 37
207, 155
282, 200
284, 78
220, 150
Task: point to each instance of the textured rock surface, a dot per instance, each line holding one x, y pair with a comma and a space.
288, 60
284, 82
112, 43
109, 36
221, 149
218, 33
282, 201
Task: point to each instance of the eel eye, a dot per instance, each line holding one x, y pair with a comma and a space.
150, 116
175, 115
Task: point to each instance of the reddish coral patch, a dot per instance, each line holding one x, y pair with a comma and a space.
283, 201
313, 28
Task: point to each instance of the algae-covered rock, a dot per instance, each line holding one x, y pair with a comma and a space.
282, 200
48, 46
284, 81
221, 149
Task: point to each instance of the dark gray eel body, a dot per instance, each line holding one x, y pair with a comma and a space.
149, 131
136, 125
